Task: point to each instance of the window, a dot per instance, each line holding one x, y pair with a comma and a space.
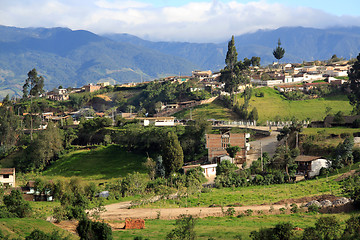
225, 140
6, 176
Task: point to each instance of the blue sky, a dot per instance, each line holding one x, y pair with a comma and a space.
175, 20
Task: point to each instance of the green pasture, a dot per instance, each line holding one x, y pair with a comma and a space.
329, 131
225, 227
273, 105
21, 227
100, 163
253, 195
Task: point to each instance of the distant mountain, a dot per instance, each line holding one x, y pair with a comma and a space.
300, 44
74, 58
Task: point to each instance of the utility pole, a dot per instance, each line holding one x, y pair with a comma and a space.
261, 157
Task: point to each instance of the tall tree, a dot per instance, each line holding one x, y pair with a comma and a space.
9, 128
279, 51
172, 153
354, 77
34, 85
231, 55
235, 72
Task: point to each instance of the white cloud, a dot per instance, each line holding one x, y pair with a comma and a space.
196, 22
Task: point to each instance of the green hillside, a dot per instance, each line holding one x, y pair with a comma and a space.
214, 110
22, 227
101, 163
273, 104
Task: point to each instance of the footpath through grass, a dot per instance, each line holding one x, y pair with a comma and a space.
226, 227
100, 163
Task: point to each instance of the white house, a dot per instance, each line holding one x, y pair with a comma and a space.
158, 121
7, 177
310, 166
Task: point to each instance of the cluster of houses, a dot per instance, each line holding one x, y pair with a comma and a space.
298, 73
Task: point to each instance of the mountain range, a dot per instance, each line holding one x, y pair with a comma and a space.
74, 58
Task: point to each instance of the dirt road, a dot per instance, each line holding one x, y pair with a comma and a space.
116, 212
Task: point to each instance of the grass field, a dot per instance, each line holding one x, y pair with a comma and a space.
273, 106
101, 163
226, 227
21, 227
252, 195
329, 131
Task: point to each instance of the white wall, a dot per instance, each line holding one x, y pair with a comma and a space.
316, 165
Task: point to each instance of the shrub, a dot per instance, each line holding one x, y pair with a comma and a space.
282, 210
294, 208
325, 228
40, 235
230, 212
249, 212
313, 208
184, 229
89, 230
16, 204
283, 231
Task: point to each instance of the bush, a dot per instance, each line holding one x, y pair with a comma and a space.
184, 229
313, 208
16, 204
294, 208
40, 235
325, 228
283, 231
89, 230
230, 212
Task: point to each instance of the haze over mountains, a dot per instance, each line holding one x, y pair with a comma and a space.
74, 58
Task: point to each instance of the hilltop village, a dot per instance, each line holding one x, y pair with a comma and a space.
282, 139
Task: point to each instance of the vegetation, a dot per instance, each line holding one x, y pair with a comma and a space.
354, 77
279, 51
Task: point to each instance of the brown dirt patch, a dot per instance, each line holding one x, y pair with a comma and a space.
346, 175
308, 199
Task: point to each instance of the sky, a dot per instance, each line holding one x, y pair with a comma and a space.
175, 20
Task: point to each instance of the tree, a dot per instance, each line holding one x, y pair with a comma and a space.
279, 51
235, 72
40, 235
255, 61
16, 204
172, 153
184, 228
284, 159
354, 78
253, 115
93, 230
232, 150
34, 85
225, 168
281, 231
45, 148
326, 228
9, 128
